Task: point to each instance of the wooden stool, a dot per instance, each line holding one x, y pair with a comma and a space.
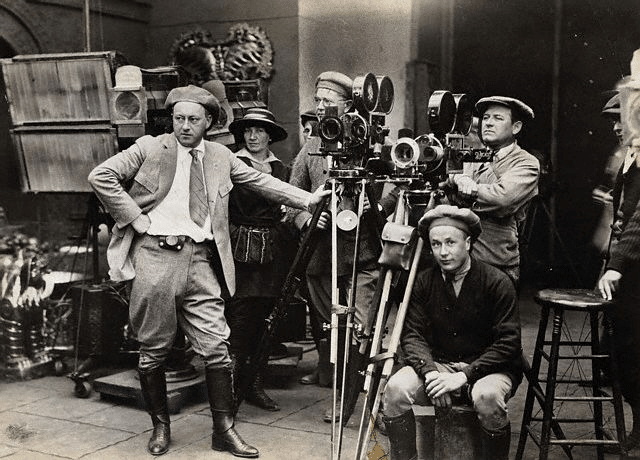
447, 434
557, 301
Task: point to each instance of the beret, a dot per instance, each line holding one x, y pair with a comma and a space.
258, 117
335, 81
612, 107
195, 94
526, 112
445, 214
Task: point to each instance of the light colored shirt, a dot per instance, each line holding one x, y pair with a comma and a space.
505, 186
171, 216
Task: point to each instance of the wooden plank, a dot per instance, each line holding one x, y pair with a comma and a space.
58, 161
44, 91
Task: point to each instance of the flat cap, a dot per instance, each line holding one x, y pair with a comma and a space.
309, 115
525, 112
335, 81
195, 94
612, 107
445, 214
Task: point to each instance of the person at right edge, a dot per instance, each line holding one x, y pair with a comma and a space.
621, 279
499, 192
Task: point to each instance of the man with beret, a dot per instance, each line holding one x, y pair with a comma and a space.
461, 338
499, 191
261, 268
169, 198
309, 172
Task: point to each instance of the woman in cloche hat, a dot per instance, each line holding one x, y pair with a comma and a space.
259, 242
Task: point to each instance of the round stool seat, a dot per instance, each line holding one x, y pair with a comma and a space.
572, 299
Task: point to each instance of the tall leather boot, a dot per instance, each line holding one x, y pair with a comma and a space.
257, 396
354, 382
236, 370
495, 444
221, 400
153, 384
402, 436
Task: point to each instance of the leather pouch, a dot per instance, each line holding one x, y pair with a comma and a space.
252, 245
399, 243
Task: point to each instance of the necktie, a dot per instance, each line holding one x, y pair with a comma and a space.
198, 208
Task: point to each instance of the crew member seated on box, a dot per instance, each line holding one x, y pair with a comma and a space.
169, 198
461, 338
499, 192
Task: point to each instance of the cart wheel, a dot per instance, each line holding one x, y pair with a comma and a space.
60, 367
82, 390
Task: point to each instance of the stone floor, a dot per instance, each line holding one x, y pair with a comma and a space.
42, 419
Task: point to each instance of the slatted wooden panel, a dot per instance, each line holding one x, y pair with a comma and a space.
59, 109
67, 89
60, 161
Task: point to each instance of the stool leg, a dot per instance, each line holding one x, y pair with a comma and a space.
532, 377
615, 384
596, 384
550, 392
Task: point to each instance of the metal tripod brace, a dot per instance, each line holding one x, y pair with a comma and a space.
342, 311
376, 358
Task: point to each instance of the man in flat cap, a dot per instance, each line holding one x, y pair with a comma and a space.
460, 340
261, 263
310, 172
169, 198
499, 191
621, 279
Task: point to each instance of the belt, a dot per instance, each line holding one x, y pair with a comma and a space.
176, 242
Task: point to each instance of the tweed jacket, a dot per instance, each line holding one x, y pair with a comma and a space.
137, 179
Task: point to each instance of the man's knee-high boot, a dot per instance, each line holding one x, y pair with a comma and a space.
495, 444
153, 384
221, 400
402, 436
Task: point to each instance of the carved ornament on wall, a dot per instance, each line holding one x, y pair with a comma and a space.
245, 54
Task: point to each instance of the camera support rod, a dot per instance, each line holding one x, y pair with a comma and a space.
340, 311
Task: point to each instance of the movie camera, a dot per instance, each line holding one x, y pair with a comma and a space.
431, 157
352, 138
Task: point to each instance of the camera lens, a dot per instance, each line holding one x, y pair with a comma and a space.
330, 129
404, 153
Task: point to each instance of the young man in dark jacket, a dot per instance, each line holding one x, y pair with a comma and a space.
461, 338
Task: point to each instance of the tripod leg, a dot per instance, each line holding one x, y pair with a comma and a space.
351, 307
376, 343
393, 347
